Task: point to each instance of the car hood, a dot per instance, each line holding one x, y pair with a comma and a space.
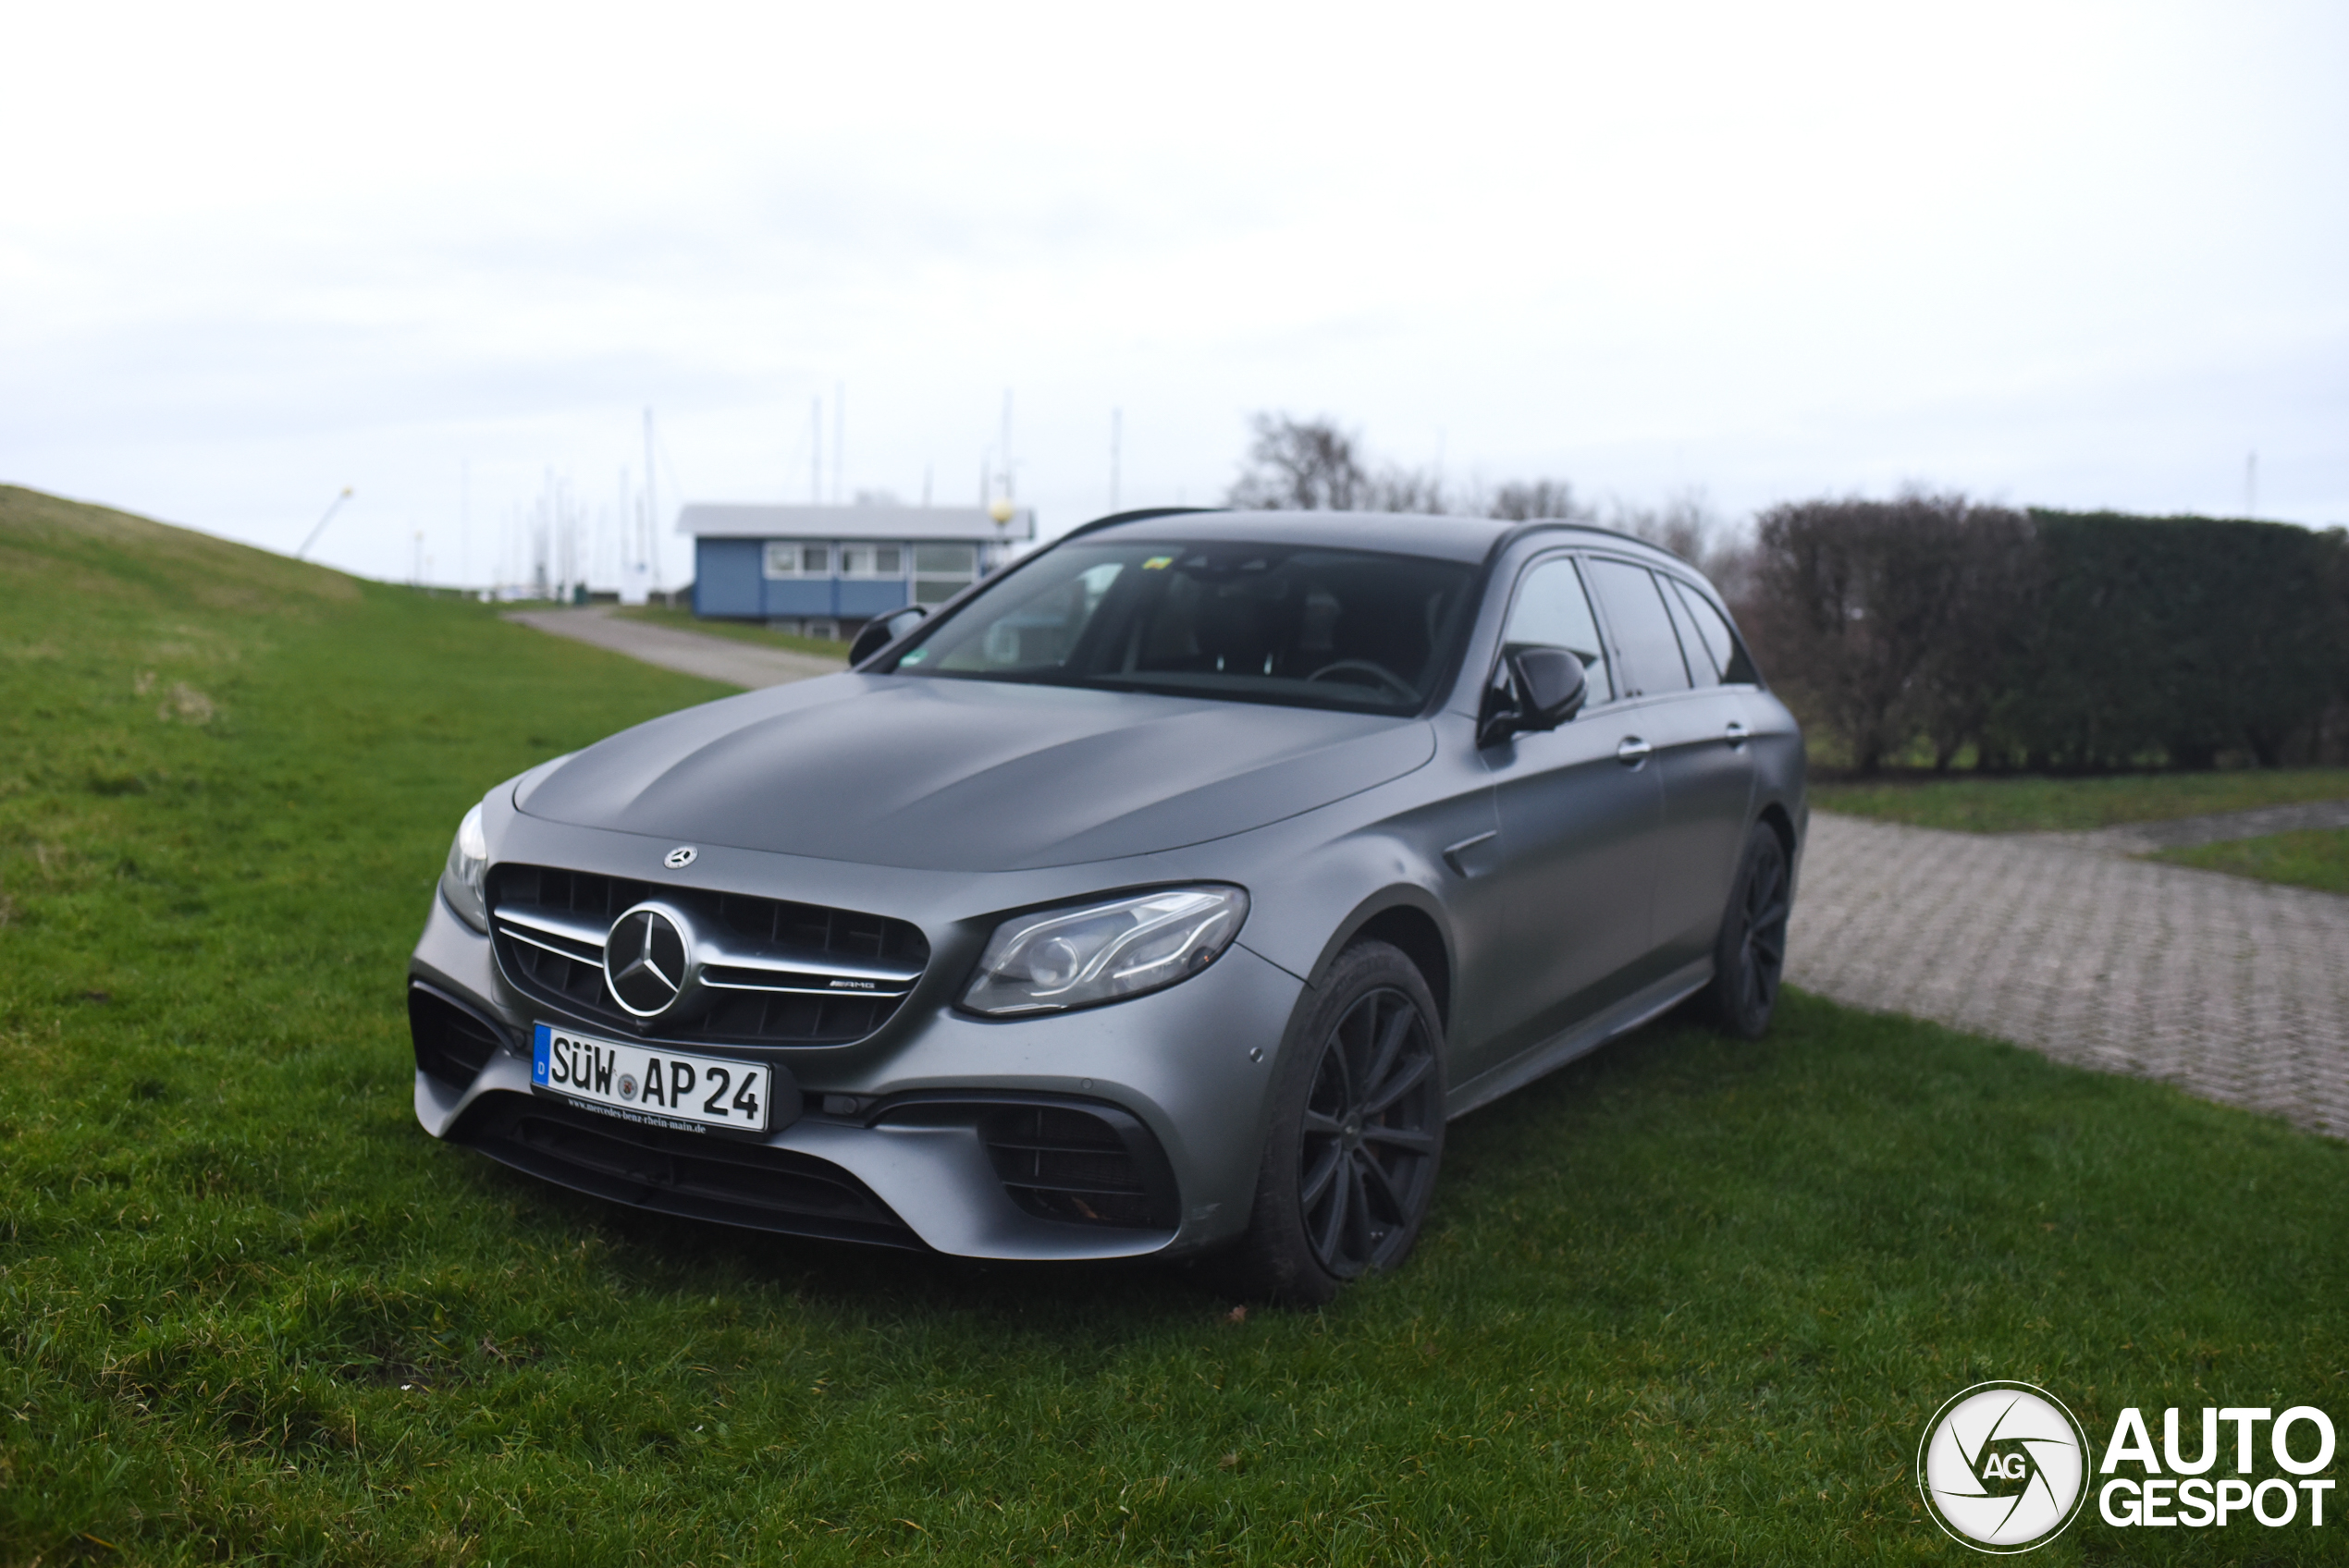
970, 775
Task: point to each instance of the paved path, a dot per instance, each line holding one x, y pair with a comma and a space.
691, 652
2230, 988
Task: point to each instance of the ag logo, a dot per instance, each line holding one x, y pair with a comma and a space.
2003, 1467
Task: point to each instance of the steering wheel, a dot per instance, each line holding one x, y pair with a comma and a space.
1379, 675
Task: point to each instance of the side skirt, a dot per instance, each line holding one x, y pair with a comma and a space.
1646, 1003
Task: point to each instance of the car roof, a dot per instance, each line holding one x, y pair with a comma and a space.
1469, 539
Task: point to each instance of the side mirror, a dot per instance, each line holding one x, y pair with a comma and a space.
1550, 686
1536, 688
880, 632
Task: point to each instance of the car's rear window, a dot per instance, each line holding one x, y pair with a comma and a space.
1279, 623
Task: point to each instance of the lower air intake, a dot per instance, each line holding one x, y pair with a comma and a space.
453, 1043
1088, 1166
684, 1173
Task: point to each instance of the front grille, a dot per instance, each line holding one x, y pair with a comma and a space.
683, 1173
452, 1043
780, 973
1061, 1163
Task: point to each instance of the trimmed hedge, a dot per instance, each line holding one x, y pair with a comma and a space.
2181, 637
2056, 640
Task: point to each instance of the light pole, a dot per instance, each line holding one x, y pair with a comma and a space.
1002, 511
304, 551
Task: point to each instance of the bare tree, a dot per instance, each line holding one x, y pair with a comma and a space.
1312, 465
1891, 618
1524, 500
1690, 528
1408, 490
1300, 465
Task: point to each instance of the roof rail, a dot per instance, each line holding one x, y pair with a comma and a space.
1116, 518
1535, 524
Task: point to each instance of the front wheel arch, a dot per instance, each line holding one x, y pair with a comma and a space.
1358, 1097
1406, 917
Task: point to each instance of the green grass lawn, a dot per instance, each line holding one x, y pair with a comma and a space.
741, 630
2027, 804
2317, 857
1683, 1302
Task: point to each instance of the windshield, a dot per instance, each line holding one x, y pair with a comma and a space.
1268, 623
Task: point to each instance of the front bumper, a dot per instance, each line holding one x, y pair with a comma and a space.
901, 1141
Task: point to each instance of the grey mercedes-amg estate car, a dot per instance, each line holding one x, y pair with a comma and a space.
1167, 891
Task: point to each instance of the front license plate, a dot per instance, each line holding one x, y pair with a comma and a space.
648, 1083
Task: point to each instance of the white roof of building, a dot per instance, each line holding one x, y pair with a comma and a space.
705, 520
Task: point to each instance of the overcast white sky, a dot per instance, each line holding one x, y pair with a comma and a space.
2064, 254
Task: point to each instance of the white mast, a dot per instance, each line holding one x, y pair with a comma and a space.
651, 535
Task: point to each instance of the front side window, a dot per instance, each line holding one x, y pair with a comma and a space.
1553, 610
1276, 623
1643, 634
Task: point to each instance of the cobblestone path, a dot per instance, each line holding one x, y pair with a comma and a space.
2231, 990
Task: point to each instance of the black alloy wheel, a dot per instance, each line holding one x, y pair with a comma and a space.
1750, 957
1358, 1134
1370, 1136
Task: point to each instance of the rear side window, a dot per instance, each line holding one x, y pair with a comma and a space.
1703, 670
1643, 634
1721, 643
1553, 610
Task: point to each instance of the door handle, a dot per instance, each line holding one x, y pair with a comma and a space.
1632, 752
1737, 734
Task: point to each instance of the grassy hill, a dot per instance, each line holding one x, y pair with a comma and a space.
1685, 1302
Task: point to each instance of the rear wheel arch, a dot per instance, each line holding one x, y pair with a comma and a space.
1749, 954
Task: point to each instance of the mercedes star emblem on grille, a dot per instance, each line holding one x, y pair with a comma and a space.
679, 857
645, 961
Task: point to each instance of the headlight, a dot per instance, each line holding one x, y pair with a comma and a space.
461, 883
1065, 958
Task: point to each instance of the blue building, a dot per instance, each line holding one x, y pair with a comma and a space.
823, 571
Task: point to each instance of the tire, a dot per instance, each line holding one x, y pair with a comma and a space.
1356, 1135
1749, 957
